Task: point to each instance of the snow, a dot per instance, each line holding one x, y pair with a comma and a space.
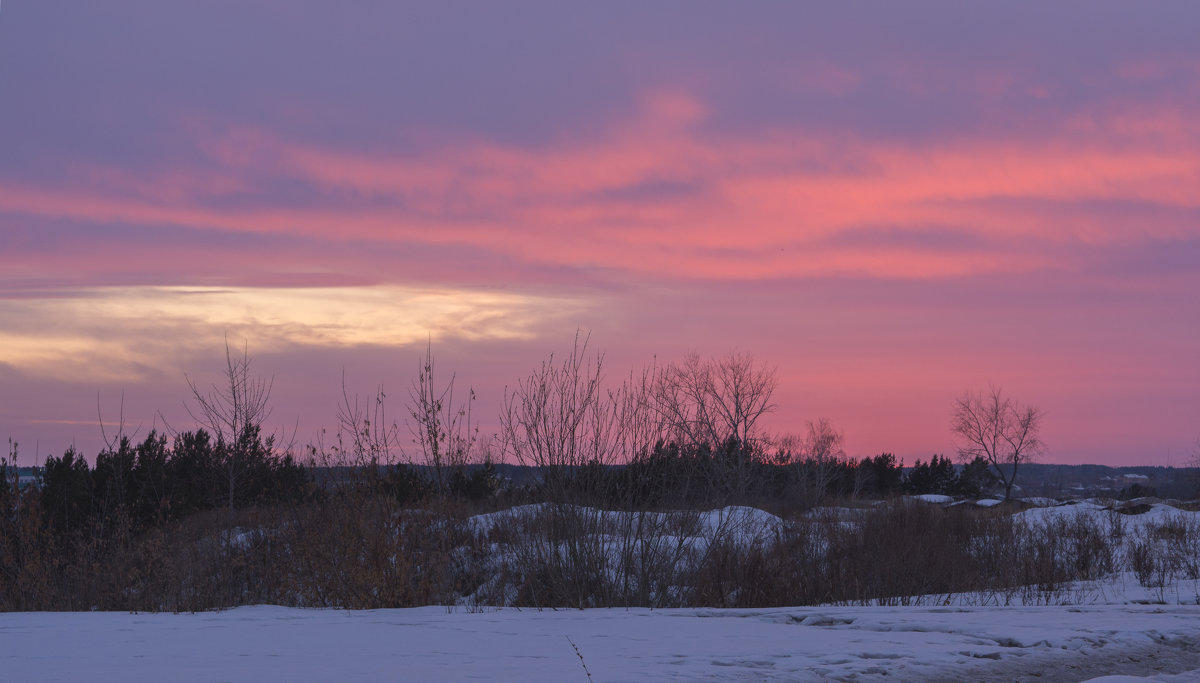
265, 643
738, 520
1040, 501
935, 498
1111, 630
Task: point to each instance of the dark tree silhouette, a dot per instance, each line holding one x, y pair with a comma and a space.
994, 427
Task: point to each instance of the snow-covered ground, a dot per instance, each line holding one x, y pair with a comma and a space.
434, 644
1114, 628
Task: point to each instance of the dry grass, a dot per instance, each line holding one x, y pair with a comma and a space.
358, 549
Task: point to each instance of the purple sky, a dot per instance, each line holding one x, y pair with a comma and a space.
893, 203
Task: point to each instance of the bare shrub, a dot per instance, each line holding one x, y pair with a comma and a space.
366, 436
441, 424
906, 550
652, 552
364, 552
1183, 543
358, 548
1143, 560
783, 564
1115, 525
561, 418
1088, 550
29, 557
1165, 550
555, 556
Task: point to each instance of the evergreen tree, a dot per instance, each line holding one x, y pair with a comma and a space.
936, 476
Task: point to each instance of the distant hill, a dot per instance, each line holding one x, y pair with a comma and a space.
1081, 481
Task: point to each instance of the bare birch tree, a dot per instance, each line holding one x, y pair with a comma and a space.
994, 427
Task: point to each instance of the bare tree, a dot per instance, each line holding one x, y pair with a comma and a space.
815, 457
234, 412
823, 451
713, 401
994, 427
561, 417
714, 405
642, 422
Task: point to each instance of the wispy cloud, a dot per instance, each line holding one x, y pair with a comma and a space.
120, 333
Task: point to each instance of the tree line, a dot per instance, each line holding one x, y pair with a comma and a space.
144, 484
685, 435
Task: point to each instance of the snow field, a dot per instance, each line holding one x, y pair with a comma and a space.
431, 643
1125, 623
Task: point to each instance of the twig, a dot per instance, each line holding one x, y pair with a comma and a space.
580, 655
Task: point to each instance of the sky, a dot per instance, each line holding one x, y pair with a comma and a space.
890, 204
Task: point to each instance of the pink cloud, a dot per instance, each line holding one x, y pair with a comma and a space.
656, 198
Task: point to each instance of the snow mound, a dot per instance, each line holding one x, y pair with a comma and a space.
935, 498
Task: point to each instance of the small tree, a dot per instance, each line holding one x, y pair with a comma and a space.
994, 427
441, 426
234, 412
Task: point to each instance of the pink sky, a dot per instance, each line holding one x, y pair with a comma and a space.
892, 205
